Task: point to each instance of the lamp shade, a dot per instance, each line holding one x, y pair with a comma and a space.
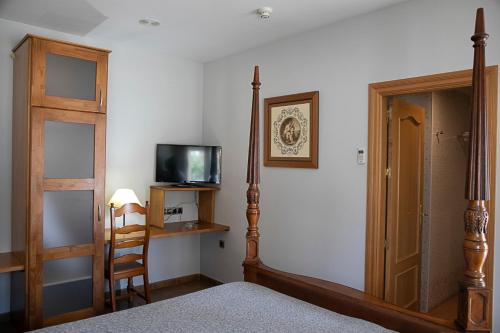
123, 196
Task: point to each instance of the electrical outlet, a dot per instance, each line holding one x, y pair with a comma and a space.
222, 244
173, 211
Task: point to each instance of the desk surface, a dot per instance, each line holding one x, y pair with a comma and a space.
175, 229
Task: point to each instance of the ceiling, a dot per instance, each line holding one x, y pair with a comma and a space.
201, 30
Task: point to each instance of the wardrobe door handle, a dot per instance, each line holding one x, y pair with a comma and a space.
100, 100
99, 213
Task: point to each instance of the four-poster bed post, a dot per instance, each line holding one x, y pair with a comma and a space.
474, 297
253, 177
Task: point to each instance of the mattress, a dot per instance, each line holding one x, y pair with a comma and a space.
233, 307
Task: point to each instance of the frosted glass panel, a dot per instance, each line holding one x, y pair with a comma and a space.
70, 77
69, 150
67, 285
67, 218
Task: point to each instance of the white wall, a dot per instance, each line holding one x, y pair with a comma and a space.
152, 98
313, 221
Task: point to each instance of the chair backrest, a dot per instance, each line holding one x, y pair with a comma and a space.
129, 236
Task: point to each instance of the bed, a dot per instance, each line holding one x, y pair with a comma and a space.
233, 307
274, 301
474, 305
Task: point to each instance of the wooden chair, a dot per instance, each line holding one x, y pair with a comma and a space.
128, 265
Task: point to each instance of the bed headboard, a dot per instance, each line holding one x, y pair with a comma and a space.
474, 308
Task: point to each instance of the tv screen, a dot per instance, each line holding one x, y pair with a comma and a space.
184, 163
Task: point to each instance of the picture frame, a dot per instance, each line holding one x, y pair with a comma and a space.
291, 130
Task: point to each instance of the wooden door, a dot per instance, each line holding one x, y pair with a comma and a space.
67, 216
406, 145
67, 76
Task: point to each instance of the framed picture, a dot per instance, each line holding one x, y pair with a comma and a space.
291, 131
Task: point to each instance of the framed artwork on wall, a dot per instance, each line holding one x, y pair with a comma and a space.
291, 130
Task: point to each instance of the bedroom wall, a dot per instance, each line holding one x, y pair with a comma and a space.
153, 98
313, 221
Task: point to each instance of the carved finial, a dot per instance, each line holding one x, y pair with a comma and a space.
478, 167
253, 174
256, 82
480, 21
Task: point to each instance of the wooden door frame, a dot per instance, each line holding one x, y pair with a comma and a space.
376, 182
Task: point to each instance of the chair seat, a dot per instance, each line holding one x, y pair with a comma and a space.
127, 269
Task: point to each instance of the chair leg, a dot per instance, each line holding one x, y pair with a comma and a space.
130, 286
112, 295
146, 288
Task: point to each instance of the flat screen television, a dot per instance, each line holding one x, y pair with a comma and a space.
188, 164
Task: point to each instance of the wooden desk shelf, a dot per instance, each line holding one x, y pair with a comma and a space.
175, 229
9, 262
206, 202
159, 229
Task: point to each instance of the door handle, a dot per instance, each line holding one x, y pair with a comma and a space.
99, 213
100, 100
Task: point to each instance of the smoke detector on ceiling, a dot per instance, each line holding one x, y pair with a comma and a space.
149, 22
264, 12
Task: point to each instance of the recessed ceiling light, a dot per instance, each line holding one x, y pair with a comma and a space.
264, 12
149, 21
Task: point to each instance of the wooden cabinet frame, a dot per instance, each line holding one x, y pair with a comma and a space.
38, 255
43, 47
31, 109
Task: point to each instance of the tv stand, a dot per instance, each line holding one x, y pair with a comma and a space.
206, 205
186, 185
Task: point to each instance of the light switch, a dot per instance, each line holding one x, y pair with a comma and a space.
361, 156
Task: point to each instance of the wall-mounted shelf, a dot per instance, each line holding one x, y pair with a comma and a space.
206, 203
175, 229
9, 262
159, 229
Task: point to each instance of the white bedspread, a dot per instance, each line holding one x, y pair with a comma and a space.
232, 307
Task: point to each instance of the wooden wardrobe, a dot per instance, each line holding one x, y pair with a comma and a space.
58, 169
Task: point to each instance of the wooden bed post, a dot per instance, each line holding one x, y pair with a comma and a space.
253, 179
474, 298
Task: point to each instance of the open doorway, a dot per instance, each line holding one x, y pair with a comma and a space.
427, 151
430, 151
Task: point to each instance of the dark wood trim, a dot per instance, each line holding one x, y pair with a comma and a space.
345, 300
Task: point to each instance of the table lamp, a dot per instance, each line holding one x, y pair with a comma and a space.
123, 196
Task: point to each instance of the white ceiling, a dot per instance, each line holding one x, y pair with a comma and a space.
202, 30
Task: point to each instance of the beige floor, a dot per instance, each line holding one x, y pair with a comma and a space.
446, 310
